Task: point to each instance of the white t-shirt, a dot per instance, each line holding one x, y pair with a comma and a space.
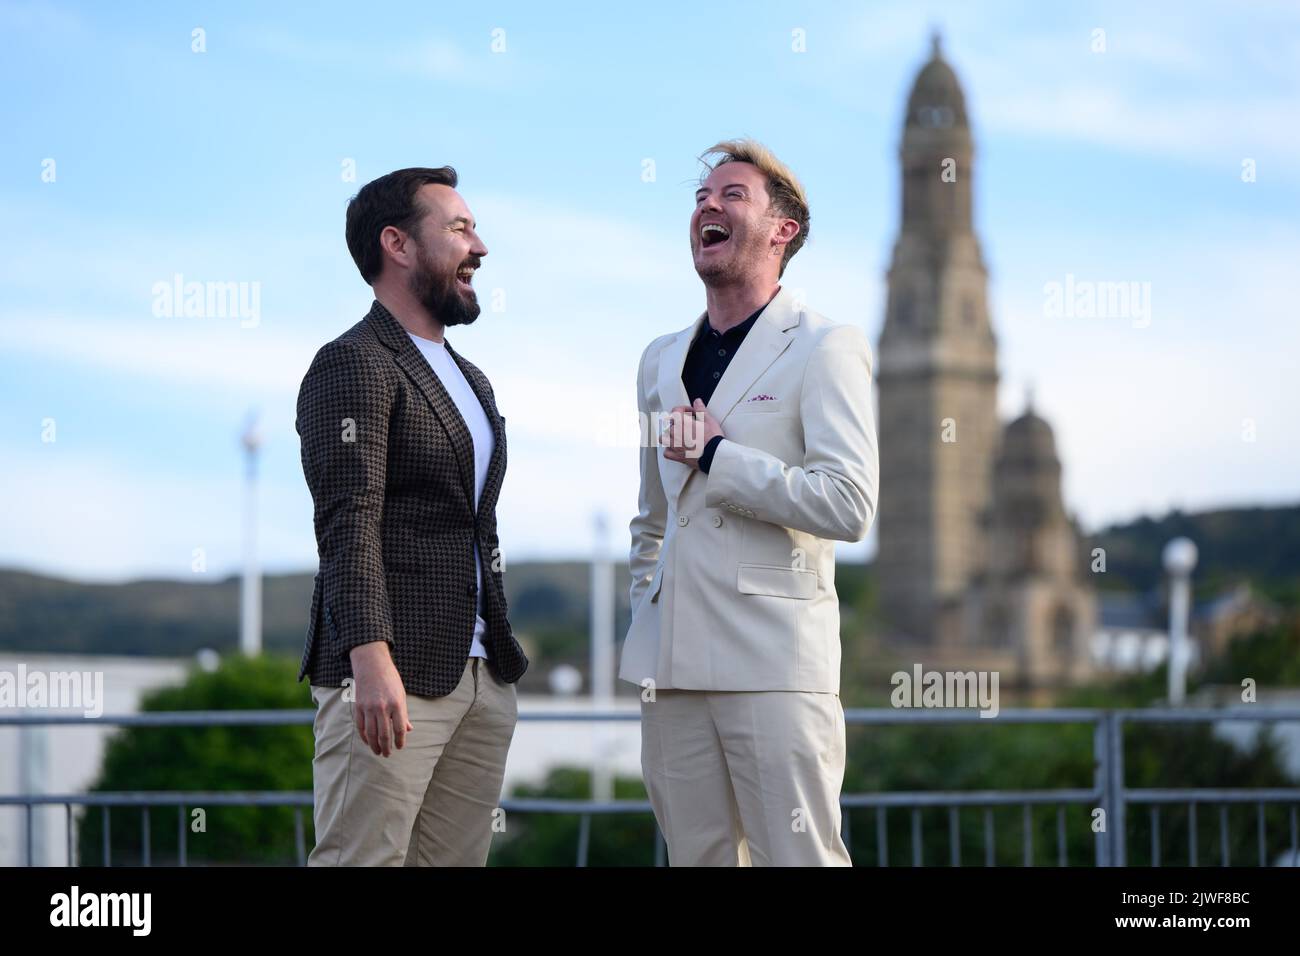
480, 430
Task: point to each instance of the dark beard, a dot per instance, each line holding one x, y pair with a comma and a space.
442, 295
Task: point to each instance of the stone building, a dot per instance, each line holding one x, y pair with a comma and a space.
978, 563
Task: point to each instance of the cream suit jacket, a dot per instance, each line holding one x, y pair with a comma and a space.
733, 572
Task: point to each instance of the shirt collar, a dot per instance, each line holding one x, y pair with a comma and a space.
741, 329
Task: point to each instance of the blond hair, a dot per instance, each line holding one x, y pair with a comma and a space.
785, 193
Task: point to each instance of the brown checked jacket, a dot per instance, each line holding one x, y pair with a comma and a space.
389, 462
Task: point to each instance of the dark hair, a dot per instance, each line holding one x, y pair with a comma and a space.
388, 201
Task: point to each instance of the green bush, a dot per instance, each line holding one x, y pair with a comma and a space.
547, 839
210, 758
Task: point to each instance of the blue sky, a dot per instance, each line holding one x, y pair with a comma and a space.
227, 166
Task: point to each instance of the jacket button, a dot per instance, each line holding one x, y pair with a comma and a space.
473, 589
683, 520
717, 521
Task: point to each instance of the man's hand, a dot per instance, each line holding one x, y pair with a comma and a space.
690, 427
380, 707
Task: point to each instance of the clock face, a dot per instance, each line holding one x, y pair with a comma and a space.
934, 117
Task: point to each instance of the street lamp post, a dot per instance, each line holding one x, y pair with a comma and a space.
1179, 560
602, 656
250, 592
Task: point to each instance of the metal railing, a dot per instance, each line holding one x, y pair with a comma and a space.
1108, 792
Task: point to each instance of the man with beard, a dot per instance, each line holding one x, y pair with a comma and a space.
768, 458
411, 659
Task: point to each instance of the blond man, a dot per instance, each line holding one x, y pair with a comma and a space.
768, 457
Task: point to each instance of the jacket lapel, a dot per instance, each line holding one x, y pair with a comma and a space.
672, 393
497, 462
671, 362
409, 360
767, 339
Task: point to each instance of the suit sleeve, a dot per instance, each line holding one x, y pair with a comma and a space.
343, 411
834, 493
652, 515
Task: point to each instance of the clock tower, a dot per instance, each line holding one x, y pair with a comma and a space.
937, 374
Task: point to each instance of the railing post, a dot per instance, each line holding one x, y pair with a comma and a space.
180, 836
1259, 820
1101, 780
299, 837
882, 838
1028, 837
1061, 852
1225, 858
1155, 834
954, 836
916, 836
584, 838
990, 855
1119, 847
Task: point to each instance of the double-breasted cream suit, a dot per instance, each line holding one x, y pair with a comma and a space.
735, 620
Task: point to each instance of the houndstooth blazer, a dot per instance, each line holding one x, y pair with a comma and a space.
389, 462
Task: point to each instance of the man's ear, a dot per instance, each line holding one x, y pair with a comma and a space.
396, 245
785, 233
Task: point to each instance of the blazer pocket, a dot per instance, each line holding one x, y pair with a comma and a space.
777, 580
656, 583
745, 408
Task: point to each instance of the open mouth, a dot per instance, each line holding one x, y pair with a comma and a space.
465, 276
713, 234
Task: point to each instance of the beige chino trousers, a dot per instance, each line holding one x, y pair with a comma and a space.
432, 803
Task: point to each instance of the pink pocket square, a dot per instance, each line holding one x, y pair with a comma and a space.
761, 398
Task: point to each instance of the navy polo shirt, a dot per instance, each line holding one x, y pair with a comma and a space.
709, 356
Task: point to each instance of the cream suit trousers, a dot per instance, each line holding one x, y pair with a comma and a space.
735, 630
746, 778
432, 803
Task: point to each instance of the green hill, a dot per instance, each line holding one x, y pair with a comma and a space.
1258, 545
170, 618
549, 600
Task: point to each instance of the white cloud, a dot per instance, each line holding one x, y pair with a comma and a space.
1187, 87
94, 517
1208, 130
191, 353
42, 22
1151, 418
422, 58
